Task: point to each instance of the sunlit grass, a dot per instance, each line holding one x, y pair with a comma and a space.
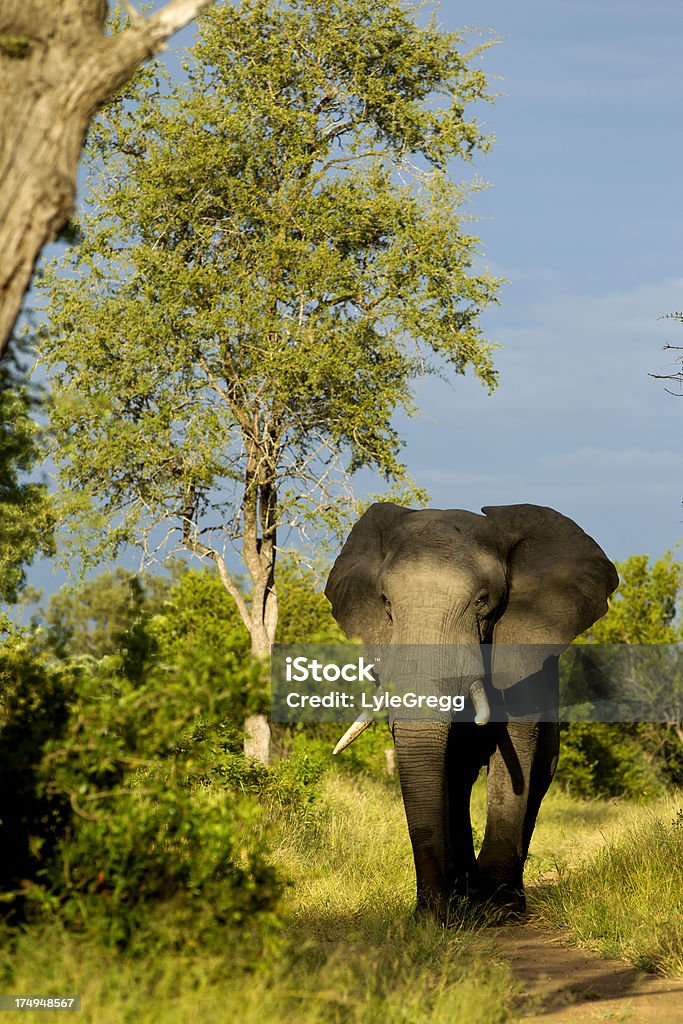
626, 898
347, 948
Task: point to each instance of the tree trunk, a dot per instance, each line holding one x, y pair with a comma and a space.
256, 727
56, 68
257, 738
259, 510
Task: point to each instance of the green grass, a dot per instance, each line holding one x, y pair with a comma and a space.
609, 874
413, 974
626, 899
346, 948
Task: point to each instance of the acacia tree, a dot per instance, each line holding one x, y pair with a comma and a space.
274, 253
57, 66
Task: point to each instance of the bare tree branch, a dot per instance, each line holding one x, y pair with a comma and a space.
677, 376
192, 543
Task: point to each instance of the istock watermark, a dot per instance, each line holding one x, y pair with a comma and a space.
477, 683
334, 683
301, 669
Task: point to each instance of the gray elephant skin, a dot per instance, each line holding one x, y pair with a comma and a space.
513, 580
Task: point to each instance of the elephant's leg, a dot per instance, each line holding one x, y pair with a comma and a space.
501, 857
542, 772
421, 757
469, 749
520, 771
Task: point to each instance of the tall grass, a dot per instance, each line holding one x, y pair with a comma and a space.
344, 946
626, 899
345, 949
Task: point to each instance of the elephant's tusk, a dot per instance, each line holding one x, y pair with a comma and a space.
482, 712
354, 731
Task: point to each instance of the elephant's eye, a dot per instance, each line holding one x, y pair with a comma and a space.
387, 607
481, 602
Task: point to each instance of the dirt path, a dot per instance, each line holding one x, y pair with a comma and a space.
566, 985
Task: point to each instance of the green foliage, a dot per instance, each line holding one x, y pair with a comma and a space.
126, 805
291, 782
305, 616
168, 853
633, 759
122, 804
199, 620
273, 255
644, 609
186, 620
104, 616
107, 817
26, 522
33, 712
605, 759
199, 617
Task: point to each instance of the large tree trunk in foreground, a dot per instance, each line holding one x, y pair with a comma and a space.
56, 68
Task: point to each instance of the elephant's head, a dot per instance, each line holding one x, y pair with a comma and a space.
517, 575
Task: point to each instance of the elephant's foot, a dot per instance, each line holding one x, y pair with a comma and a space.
435, 909
456, 912
432, 891
505, 902
455, 905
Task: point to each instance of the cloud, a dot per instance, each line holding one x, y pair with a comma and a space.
565, 352
641, 461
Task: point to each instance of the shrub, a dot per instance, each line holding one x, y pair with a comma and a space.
604, 759
161, 866
107, 816
33, 712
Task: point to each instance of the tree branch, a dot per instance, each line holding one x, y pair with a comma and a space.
147, 36
193, 544
50, 88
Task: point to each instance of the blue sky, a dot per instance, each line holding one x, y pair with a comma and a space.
584, 219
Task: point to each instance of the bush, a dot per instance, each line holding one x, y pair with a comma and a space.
291, 782
33, 712
106, 816
161, 867
605, 759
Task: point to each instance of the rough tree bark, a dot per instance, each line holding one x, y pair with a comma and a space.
56, 68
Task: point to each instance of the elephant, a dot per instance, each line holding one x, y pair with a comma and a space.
511, 587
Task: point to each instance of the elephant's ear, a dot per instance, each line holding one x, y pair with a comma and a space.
559, 580
352, 587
